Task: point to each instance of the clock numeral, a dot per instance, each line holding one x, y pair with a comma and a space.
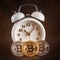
38, 33
20, 38
37, 29
33, 25
23, 26
28, 24
37, 38
18, 34
20, 30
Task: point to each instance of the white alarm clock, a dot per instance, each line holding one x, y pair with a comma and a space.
28, 27
28, 33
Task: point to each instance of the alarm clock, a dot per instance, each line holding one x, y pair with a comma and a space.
28, 33
28, 27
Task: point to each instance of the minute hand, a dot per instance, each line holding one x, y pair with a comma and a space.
32, 30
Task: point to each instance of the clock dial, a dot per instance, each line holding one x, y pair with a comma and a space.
26, 30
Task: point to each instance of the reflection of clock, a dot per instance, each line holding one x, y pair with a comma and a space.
28, 29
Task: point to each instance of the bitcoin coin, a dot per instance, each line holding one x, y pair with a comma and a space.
43, 48
16, 49
30, 48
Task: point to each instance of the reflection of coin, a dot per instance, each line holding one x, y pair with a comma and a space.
16, 49
43, 48
30, 48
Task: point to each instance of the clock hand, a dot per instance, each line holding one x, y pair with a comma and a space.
28, 34
32, 30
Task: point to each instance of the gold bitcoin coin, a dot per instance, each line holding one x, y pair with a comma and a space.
30, 48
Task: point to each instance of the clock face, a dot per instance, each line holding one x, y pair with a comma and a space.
26, 30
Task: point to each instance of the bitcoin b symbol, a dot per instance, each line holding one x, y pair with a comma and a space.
19, 48
16, 48
43, 48
30, 48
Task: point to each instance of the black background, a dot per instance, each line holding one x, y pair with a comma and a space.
51, 10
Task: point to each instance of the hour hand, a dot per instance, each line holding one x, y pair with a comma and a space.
27, 34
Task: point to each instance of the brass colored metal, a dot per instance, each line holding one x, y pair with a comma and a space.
30, 48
